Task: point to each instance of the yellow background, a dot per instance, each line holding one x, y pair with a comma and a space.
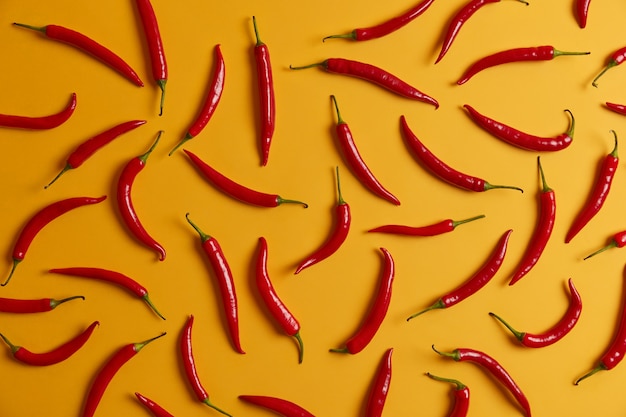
330, 298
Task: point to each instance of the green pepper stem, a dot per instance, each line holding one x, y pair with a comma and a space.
488, 187
570, 130
459, 384
256, 32
600, 367
613, 244
141, 345
161, 84
456, 223
14, 348
15, 263
300, 347
63, 171
281, 200
339, 350
41, 29
339, 118
351, 35
146, 298
317, 64
545, 187
213, 406
556, 53
614, 151
518, 335
437, 305
55, 303
181, 143
143, 158
203, 236
610, 65
454, 354
340, 200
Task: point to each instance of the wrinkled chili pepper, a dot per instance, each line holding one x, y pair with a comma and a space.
599, 192
56, 355
582, 12
476, 281
461, 396
154, 408
281, 406
617, 241
39, 122
267, 99
14, 305
380, 388
89, 46
617, 108
615, 59
225, 281
377, 312
113, 277
442, 170
444, 226
356, 162
39, 220
236, 190
521, 139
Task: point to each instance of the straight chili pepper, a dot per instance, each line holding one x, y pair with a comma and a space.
112, 277
476, 281
89, 46
108, 371
14, 305
444, 226
617, 241
267, 99
599, 192
582, 12
372, 74
461, 396
617, 108
378, 310
225, 281
281, 406
155, 409
236, 190
380, 389
56, 355
615, 59
442, 170
40, 122
86, 149
39, 220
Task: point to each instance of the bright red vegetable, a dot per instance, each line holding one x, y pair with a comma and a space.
39, 122
267, 99
380, 389
615, 59
154, 408
278, 405
617, 108
617, 241
461, 396
444, 226
14, 305
582, 12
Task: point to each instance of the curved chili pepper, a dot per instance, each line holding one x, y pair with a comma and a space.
40, 122
113, 277
494, 368
278, 405
235, 190
542, 232
108, 371
89, 46
582, 12
189, 365
617, 108
444, 226
476, 281
56, 355
225, 282
378, 310
386, 27
356, 162
459, 20
558, 331
154, 408
267, 98
521, 139
13, 305
125, 200
274, 304
617, 241
380, 388
537, 53
39, 221
598, 194
461, 396
86, 149
442, 170
372, 74
343, 219
615, 59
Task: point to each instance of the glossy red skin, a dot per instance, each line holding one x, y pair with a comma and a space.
153, 38
189, 364
620, 239
113, 277
380, 388
617, 108
461, 402
42, 122
21, 306
267, 99
441, 227
155, 409
212, 99
582, 12
278, 405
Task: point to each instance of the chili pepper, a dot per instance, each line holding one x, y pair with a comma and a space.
86, 149
274, 304
459, 20
41, 219
267, 100
521, 139
386, 27
617, 241
442, 170
542, 232
582, 12
380, 389
615, 59
476, 281
558, 331
444, 226
539, 53
125, 201
617, 108
40, 122
12, 305
598, 194
378, 310
281, 406
236, 190
461, 396
59, 354
154, 408
372, 74
338, 235
494, 368
356, 162
113, 277
89, 46
108, 371
225, 281
189, 365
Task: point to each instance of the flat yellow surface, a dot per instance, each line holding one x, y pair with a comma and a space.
331, 298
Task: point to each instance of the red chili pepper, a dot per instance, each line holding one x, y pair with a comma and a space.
40, 122
278, 405
267, 98
89, 46
476, 281
558, 331
378, 310
598, 194
12, 305
356, 162
543, 230
617, 108
582, 12
380, 389
372, 74
538, 53
338, 235
386, 27
521, 139
125, 201
274, 304
155, 409
618, 241
86, 149
442, 170
189, 365
225, 281
461, 396
494, 368
56, 355
40, 220
615, 59
444, 226
113, 277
